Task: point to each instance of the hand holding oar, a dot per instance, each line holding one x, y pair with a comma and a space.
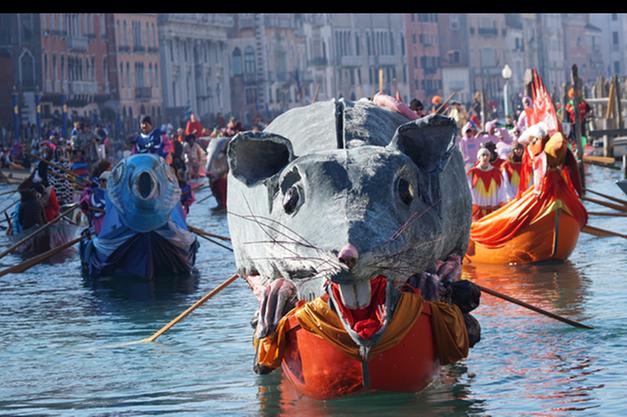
42, 228
190, 309
531, 307
27, 264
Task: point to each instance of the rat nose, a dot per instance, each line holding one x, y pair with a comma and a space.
348, 255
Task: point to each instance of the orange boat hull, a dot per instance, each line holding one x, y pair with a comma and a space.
551, 237
320, 370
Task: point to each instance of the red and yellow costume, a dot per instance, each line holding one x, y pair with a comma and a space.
322, 360
487, 189
513, 175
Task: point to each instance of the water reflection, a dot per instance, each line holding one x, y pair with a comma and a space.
560, 287
450, 394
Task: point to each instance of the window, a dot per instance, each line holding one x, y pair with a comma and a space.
413, 38
616, 67
615, 38
357, 51
237, 62
249, 60
614, 16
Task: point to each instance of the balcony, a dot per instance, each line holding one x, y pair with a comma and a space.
143, 92
139, 48
318, 62
78, 44
124, 48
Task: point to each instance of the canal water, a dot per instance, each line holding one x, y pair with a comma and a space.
64, 341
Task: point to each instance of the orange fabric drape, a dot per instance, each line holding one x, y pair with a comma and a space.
318, 318
502, 225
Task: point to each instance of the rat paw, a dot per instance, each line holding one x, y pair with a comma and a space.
279, 297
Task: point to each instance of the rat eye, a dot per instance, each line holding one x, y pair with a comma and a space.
405, 191
291, 199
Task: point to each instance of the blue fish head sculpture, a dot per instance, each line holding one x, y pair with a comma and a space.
144, 189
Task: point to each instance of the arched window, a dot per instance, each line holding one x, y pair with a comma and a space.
249, 60
46, 75
27, 70
237, 62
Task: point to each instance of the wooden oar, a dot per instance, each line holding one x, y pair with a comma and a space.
609, 197
9, 192
204, 198
531, 307
441, 106
200, 231
601, 232
42, 228
190, 309
606, 204
27, 264
598, 213
10, 205
213, 241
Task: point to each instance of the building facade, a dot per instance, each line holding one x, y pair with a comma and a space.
20, 64
424, 61
454, 53
74, 64
365, 46
195, 64
134, 68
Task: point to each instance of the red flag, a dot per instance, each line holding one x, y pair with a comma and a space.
543, 109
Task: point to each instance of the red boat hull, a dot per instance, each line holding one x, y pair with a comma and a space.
320, 370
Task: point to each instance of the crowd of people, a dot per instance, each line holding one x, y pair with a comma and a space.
493, 153
77, 169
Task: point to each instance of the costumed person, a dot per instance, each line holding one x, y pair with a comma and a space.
522, 122
149, 140
436, 103
194, 155
458, 113
217, 172
490, 134
194, 127
584, 113
187, 195
512, 170
487, 186
416, 106
469, 144
80, 168
495, 160
475, 109
59, 179
92, 201
48, 199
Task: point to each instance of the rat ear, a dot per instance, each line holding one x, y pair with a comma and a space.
255, 156
426, 141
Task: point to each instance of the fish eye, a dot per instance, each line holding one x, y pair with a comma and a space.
291, 199
405, 191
